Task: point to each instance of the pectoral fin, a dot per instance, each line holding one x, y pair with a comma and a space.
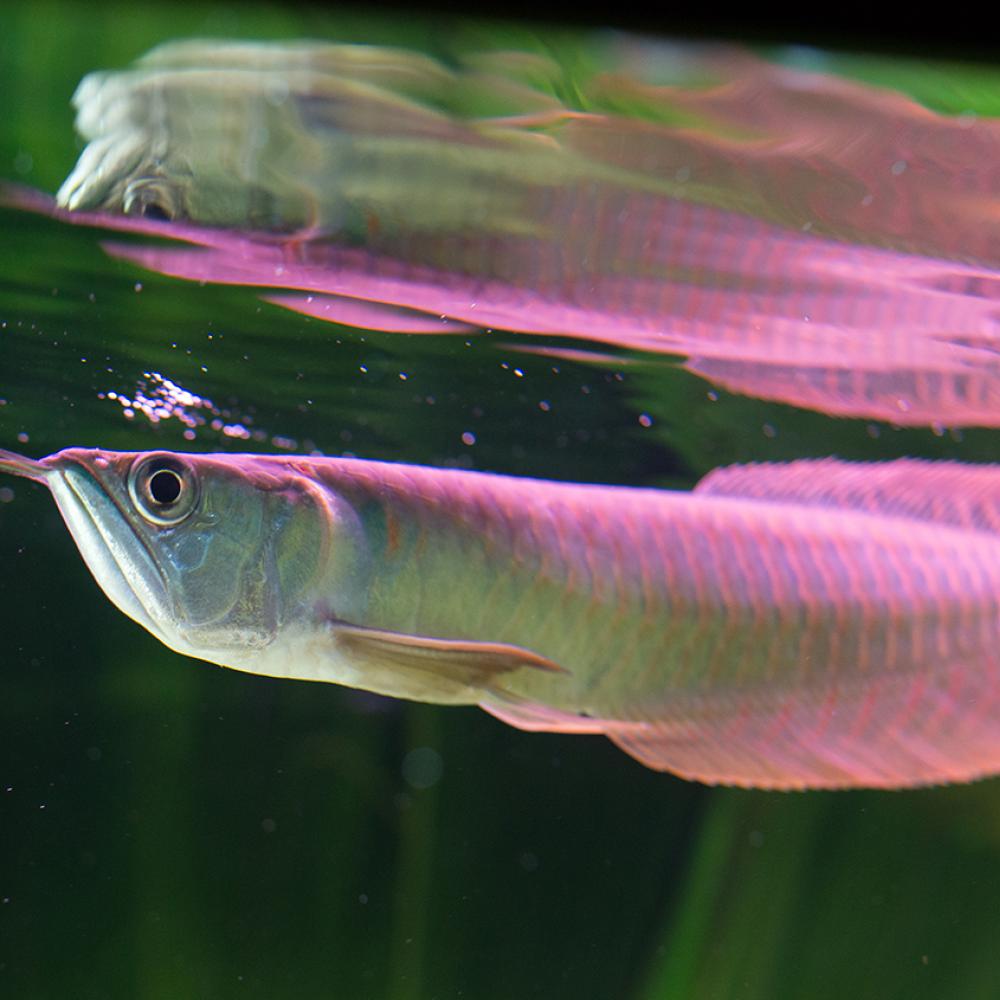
430, 669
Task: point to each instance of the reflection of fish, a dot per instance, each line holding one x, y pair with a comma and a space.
795, 236
330, 139
815, 624
854, 331
281, 135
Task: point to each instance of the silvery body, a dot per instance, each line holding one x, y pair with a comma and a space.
761, 630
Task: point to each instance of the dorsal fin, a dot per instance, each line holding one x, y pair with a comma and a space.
947, 493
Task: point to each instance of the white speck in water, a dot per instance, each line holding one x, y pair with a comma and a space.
544, 405
770, 431
6, 494
898, 167
138, 286
645, 420
468, 438
23, 437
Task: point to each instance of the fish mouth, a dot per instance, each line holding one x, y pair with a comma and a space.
117, 555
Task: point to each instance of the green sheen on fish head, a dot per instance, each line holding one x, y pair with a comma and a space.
107, 179
116, 174
199, 146
210, 553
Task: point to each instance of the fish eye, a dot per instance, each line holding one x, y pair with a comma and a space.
149, 199
163, 488
153, 210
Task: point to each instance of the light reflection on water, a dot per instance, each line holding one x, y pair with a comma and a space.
159, 398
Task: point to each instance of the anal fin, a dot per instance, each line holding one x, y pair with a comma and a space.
536, 718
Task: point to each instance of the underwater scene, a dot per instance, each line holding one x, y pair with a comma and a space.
577, 445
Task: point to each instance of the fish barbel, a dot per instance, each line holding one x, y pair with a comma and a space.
813, 624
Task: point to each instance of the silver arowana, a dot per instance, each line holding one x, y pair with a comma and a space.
817, 624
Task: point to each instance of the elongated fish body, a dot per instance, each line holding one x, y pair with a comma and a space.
818, 624
741, 216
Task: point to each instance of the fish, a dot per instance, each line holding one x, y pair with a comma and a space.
275, 136
812, 624
791, 235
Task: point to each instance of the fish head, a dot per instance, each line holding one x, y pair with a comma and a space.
210, 553
189, 146
116, 173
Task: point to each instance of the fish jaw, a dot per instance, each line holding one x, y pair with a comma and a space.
101, 532
120, 561
114, 553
